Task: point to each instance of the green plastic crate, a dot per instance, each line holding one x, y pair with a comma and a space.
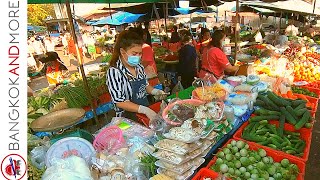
185, 94
77, 133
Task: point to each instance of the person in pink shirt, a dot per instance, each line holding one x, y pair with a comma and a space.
214, 61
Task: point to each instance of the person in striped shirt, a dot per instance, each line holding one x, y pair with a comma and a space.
126, 79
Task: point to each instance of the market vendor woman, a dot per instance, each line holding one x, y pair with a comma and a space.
214, 61
126, 78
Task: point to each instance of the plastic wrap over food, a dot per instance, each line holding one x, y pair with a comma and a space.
177, 146
239, 99
226, 85
71, 168
240, 110
182, 134
179, 169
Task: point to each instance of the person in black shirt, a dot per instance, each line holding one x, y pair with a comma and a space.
187, 60
175, 35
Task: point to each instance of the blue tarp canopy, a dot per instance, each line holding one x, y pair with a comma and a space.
36, 28
118, 18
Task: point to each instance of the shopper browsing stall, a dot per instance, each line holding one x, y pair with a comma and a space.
126, 78
187, 60
214, 61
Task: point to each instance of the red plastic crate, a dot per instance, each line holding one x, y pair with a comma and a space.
143, 118
315, 90
305, 134
315, 102
206, 173
277, 157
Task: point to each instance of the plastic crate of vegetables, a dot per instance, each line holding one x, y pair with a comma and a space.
205, 174
243, 160
305, 91
294, 144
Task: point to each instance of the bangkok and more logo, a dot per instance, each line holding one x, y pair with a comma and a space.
13, 167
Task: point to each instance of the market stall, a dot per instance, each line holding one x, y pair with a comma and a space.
257, 125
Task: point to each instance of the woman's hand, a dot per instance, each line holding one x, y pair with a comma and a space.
148, 112
159, 94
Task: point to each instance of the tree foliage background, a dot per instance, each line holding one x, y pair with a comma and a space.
37, 13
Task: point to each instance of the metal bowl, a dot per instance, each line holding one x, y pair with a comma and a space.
57, 120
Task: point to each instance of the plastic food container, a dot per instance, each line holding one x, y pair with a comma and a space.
180, 169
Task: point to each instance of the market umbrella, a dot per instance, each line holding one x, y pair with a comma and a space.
119, 18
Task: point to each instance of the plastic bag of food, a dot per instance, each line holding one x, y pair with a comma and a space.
179, 169
226, 85
238, 99
212, 135
177, 146
243, 87
71, 168
170, 157
175, 175
240, 110
182, 134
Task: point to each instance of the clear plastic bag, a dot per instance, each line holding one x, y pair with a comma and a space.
71, 168
170, 157
179, 169
182, 134
176, 146
38, 156
174, 175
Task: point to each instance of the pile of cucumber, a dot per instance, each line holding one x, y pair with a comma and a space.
274, 107
269, 135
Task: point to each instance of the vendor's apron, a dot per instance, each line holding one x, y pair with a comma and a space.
139, 96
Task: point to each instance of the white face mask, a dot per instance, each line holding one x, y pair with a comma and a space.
223, 43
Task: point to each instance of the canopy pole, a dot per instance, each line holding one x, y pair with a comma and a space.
237, 28
280, 21
314, 6
225, 20
165, 17
80, 60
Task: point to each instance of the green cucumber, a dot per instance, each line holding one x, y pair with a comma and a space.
260, 118
298, 102
301, 106
300, 112
288, 116
281, 125
272, 146
292, 112
268, 102
305, 118
277, 100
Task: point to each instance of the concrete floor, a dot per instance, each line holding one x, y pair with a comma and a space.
313, 163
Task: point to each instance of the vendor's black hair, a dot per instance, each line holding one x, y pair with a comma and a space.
216, 38
125, 40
